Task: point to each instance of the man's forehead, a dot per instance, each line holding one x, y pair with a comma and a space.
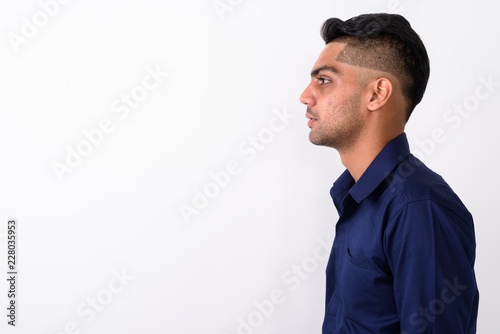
333, 48
327, 58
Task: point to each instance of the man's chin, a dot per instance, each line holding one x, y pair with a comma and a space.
320, 141
315, 139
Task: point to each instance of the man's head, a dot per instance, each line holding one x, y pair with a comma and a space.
370, 62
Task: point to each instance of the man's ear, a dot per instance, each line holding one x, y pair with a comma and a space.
380, 91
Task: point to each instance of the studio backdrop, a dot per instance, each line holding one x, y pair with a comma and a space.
156, 167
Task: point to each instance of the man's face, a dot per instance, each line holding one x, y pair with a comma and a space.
333, 100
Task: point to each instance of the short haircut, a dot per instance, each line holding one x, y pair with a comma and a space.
384, 42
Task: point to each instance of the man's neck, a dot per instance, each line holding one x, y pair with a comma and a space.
360, 155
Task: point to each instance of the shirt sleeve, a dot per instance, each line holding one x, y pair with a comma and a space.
430, 250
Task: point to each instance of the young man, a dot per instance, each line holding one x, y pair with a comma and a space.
404, 250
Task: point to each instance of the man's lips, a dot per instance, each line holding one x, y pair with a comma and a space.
311, 120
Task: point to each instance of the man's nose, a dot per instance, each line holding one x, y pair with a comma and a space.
306, 97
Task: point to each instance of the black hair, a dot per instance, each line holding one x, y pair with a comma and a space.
384, 42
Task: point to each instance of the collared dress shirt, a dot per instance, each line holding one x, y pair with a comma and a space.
403, 256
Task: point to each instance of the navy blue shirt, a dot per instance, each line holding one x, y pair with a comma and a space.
403, 256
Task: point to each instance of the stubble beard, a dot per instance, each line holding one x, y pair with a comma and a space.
342, 128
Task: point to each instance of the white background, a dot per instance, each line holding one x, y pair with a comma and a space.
228, 74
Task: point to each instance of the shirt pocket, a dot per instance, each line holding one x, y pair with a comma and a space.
355, 260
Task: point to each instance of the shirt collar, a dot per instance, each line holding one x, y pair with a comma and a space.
390, 156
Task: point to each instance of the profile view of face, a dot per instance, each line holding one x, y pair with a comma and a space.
333, 100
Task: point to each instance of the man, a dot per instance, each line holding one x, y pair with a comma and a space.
404, 250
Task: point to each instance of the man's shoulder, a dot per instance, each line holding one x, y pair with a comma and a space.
412, 181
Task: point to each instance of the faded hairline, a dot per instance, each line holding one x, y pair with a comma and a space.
375, 55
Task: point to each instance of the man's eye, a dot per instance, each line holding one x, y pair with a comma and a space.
323, 81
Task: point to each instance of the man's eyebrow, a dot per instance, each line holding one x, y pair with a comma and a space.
316, 71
